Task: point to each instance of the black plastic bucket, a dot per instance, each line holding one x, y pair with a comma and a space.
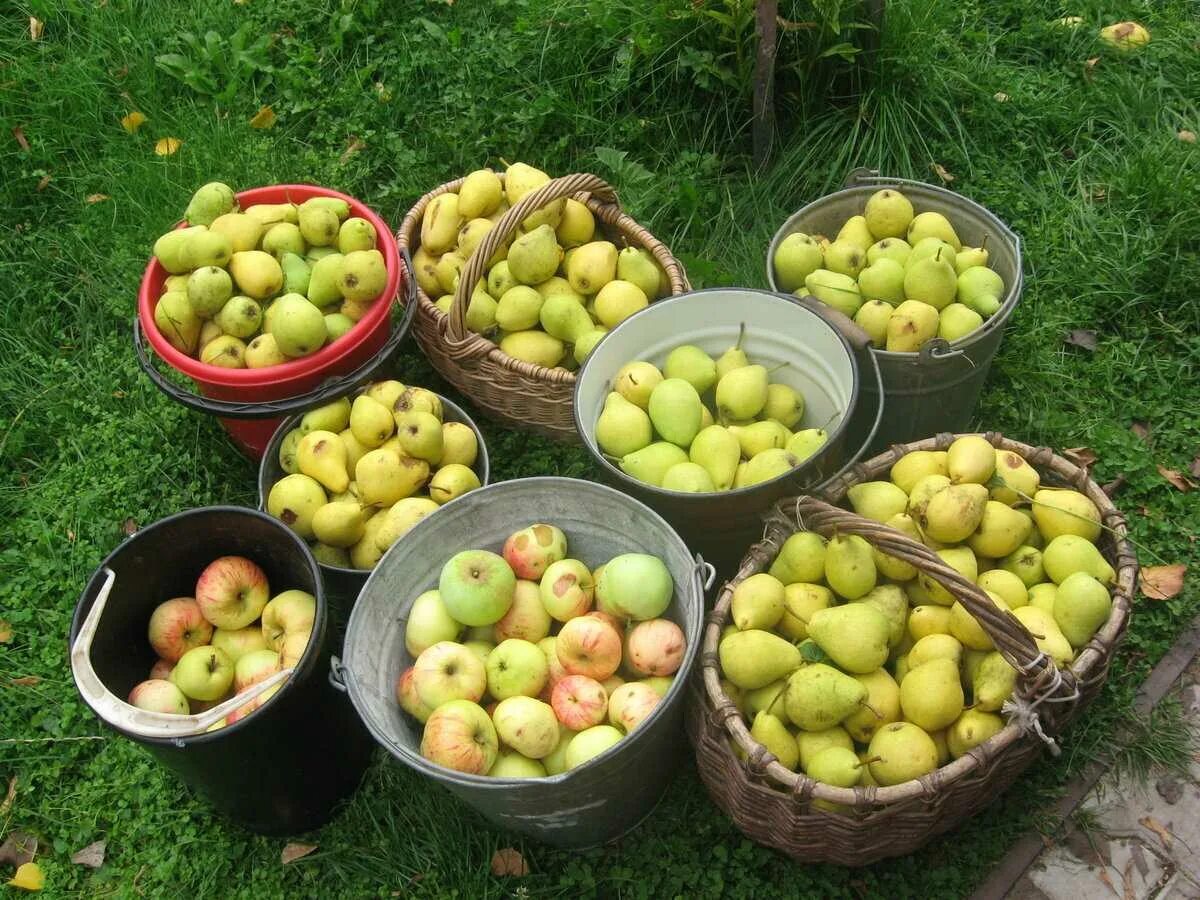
284, 768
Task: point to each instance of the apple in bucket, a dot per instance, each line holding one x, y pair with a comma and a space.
232, 592
177, 626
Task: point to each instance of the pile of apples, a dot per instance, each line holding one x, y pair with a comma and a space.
659, 430
858, 669
500, 694
905, 278
256, 287
362, 474
550, 293
227, 638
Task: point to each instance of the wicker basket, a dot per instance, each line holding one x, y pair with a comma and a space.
509, 390
772, 805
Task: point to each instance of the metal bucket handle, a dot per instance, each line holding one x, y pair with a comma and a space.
145, 722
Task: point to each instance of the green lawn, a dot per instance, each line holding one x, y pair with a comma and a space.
386, 99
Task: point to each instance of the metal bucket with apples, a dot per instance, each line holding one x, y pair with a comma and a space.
586, 753
205, 638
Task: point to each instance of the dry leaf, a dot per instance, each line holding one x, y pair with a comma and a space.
1195, 467
29, 877
1188, 137
1161, 582
9, 797
293, 852
353, 147
1158, 828
1113, 486
36, 27
942, 173
130, 527
19, 849
25, 681
507, 862
264, 118
1104, 876
91, 856
167, 146
1141, 429
70, 535
1089, 66
19, 134
133, 121
5, 632
97, 198
1084, 457
1178, 479
43, 183
1083, 338
1000, 97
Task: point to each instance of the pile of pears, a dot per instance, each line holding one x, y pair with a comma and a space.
553, 290
256, 287
858, 669
361, 474
904, 277
658, 428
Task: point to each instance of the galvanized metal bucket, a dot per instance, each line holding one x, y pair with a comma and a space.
609, 795
827, 359
936, 389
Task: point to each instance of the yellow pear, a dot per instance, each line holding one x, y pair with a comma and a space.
971, 729
1043, 595
810, 743
617, 300
1018, 480
244, 232
577, 225
993, 682
935, 646
769, 731
882, 706
891, 601
819, 696
1046, 633
535, 347
932, 224
758, 602
856, 231
931, 695
960, 559
257, 274
1001, 530
911, 326
922, 491
801, 600
855, 636
1005, 585
954, 512
966, 628
384, 477
801, 558
928, 619
889, 566
915, 465
763, 699
338, 524
366, 552
849, 566
971, 459
753, 659
878, 500
294, 500
440, 224
451, 482
479, 194
900, 752
321, 455
371, 422
400, 518
592, 266
1059, 511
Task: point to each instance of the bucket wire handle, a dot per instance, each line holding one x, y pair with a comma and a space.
937, 349
338, 674
331, 387
706, 572
145, 722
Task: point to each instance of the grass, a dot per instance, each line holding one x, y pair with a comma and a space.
384, 100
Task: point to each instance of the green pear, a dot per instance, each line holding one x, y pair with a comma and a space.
954, 512
622, 427
759, 436
337, 325
535, 347
768, 465
1081, 605
718, 452
1069, 553
271, 213
785, 405
240, 317
185, 249
287, 451
636, 266
297, 326
210, 201
617, 301
892, 602
896, 249
1001, 530
800, 602
882, 706
872, 317
810, 743
993, 682
797, 256
835, 289
520, 308
912, 325
591, 267
763, 699
769, 731
419, 434
845, 257
337, 206
878, 500
675, 410
981, 289
883, 280
339, 524
957, 321
296, 274
479, 194
971, 729
888, 214
818, 696
534, 257
971, 257
177, 322
1005, 585
587, 342
849, 566
636, 381
931, 695
325, 279
208, 289
804, 444
837, 767
281, 238
563, 317
321, 455
650, 464
742, 393
962, 560
1043, 596
901, 752
755, 658
928, 248
854, 635
318, 223
333, 416
688, 478
356, 234
225, 351
1058, 511
363, 275
1046, 634
932, 224
889, 566
294, 500
935, 646
757, 602
1026, 563
693, 365
931, 280
500, 280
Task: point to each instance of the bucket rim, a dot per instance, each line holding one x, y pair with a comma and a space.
588, 432
679, 682
305, 667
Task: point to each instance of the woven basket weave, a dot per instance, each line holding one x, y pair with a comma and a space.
509, 390
772, 805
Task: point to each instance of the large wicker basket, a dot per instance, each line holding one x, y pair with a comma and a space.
509, 390
773, 806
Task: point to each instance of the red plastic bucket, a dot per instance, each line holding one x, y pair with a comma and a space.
252, 402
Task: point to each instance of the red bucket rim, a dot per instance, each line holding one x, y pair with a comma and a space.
154, 275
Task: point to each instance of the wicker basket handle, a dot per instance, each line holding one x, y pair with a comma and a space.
471, 344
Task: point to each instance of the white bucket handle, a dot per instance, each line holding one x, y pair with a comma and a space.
144, 722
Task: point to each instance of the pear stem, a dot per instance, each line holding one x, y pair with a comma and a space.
829, 421
782, 365
983, 243
741, 336
877, 713
937, 257
507, 164
771, 705
865, 762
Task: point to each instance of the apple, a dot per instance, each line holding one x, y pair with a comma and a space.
527, 726
556, 761
659, 683
579, 702
635, 586
477, 587
516, 668
629, 705
292, 612
253, 668
611, 683
460, 736
448, 671
291, 651
161, 670
240, 641
555, 671
531, 550
527, 618
514, 765
159, 695
485, 633
567, 589
204, 673
242, 711
617, 624
232, 592
590, 647
482, 649
428, 622
655, 647
177, 626
406, 695
590, 743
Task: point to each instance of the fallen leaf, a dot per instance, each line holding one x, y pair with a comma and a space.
293, 852
942, 173
1177, 479
507, 862
1127, 881
1188, 137
91, 856
1144, 510
1195, 467
1141, 429
19, 134
1089, 67
120, 395
43, 183
130, 527
36, 27
9, 797
70, 535
1161, 582
133, 121
353, 147
1099, 194
1158, 828
1084, 457
5, 632
1113, 486
167, 146
1000, 97
29, 877
1104, 876
264, 118
1083, 338
97, 198
25, 681
19, 849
